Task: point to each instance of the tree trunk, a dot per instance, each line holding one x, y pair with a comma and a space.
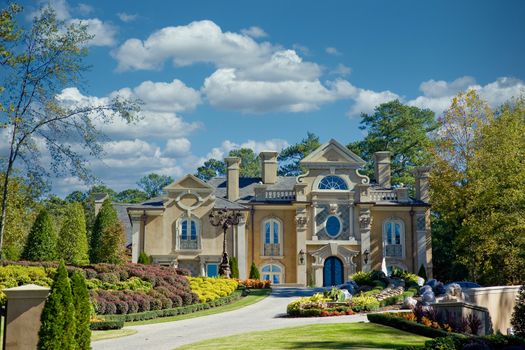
3, 216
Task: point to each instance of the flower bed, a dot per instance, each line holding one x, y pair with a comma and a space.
329, 304
210, 289
252, 283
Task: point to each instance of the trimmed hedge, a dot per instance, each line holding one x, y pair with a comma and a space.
408, 326
458, 342
106, 325
148, 315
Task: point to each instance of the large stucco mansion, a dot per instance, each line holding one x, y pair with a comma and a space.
316, 228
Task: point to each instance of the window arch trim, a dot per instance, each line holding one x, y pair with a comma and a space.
272, 236
332, 183
394, 238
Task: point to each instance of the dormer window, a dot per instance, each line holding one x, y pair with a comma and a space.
332, 182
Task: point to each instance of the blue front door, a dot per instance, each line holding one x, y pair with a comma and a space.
332, 272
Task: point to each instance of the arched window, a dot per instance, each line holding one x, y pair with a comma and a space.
332, 182
333, 226
394, 238
272, 272
189, 233
272, 233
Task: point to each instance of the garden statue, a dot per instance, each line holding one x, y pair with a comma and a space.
454, 293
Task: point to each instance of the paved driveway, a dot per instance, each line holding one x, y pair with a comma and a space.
263, 315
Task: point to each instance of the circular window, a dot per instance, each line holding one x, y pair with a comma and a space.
333, 226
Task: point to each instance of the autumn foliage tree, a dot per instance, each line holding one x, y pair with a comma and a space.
37, 65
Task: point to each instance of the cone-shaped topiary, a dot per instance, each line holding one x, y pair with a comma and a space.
41, 244
234, 267
107, 239
73, 244
144, 259
254, 272
518, 315
57, 330
422, 272
82, 311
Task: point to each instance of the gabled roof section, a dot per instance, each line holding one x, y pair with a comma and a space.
332, 153
188, 182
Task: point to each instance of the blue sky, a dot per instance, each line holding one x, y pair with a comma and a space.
215, 75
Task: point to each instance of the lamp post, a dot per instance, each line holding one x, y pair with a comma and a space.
225, 219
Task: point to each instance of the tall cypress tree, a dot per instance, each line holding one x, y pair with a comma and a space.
107, 238
41, 242
58, 317
73, 244
82, 311
106, 217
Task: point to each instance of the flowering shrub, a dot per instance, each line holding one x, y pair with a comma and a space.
362, 278
211, 288
14, 276
364, 303
252, 283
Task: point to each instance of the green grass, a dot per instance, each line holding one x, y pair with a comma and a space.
326, 336
112, 333
255, 296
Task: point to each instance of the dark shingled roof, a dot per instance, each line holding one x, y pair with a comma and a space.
99, 196
123, 216
247, 186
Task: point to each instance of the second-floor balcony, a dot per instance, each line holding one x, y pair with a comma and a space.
188, 244
272, 249
262, 194
394, 250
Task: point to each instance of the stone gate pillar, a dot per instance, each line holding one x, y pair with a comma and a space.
24, 307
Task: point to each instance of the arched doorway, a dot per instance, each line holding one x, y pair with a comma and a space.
333, 272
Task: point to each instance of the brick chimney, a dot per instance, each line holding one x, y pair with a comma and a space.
268, 166
422, 187
232, 177
382, 168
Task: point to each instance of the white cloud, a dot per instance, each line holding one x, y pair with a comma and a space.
341, 70
254, 32
366, 100
257, 147
437, 95
177, 147
104, 33
200, 41
60, 6
332, 51
225, 90
167, 97
127, 17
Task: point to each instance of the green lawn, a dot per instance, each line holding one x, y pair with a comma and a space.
326, 336
253, 297
112, 333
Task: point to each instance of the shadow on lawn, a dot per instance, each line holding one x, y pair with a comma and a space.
340, 345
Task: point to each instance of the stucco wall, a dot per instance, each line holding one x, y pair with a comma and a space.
499, 301
287, 215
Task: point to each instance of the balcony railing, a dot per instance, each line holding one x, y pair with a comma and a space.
264, 195
383, 195
394, 250
272, 249
189, 244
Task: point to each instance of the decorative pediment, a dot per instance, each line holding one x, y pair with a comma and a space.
332, 154
188, 182
334, 249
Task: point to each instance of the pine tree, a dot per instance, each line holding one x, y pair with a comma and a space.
234, 267
82, 311
73, 244
58, 317
107, 239
42, 239
518, 316
254, 272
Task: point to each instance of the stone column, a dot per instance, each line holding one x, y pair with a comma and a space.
24, 307
202, 265
136, 224
241, 249
365, 225
301, 225
318, 274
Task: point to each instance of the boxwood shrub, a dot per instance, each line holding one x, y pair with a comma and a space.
408, 326
106, 325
